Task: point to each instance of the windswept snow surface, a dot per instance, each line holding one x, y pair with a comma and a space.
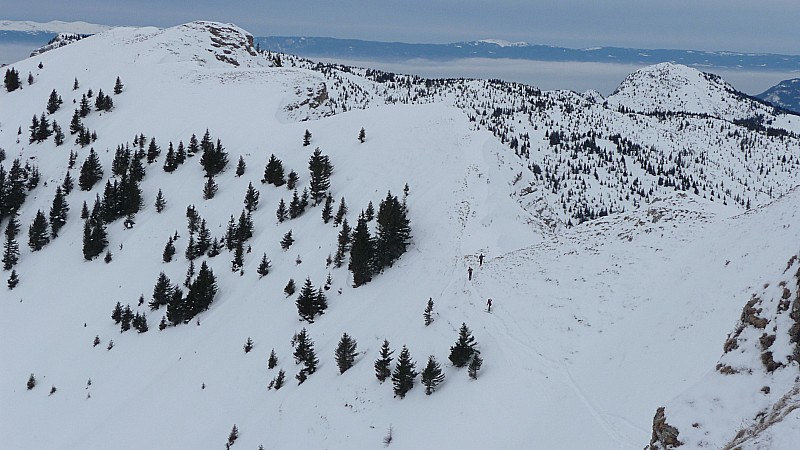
591, 330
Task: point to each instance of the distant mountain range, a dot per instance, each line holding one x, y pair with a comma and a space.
495, 49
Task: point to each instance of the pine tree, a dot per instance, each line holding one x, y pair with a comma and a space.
75, 85
273, 172
432, 375
13, 279
84, 106
127, 318
169, 251
58, 212
291, 180
251, 198
241, 166
370, 212
153, 151
320, 302
263, 266
91, 171
342, 244
68, 183
345, 353
234, 434
281, 213
95, 238
34, 129
294, 206
320, 170
279, 380
248, 345
210, 189
287, 240
290, 287
54, 102
428, 314
464, 348
160, 203
31, 382
203, 238
384, 362
116, 314
244, 228
474, 366
170, 160
58, 134
273, 360
118, 86
162, 292
306, 138
180, 154
214, 158
393, 232
75, 125
304, 353
362, 135
361, 254
340, 213
202, 291
305, 302
404, 373
38, 235
327, 209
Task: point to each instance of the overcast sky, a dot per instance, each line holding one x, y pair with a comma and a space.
736, 25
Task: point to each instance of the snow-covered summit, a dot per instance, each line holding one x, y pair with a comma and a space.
669, 87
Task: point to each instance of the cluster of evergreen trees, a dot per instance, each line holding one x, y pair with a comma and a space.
11, 79
183, 308
370, 255
127, 319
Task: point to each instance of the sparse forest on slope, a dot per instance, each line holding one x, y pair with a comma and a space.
281, 250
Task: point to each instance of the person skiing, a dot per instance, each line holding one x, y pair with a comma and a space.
469, 271
489, 304
480, 260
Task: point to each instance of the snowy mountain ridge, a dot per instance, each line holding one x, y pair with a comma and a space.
586, 304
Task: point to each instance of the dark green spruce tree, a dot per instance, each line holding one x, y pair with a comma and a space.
361, 254
58, 212
38, 234
345, 353
320, 169
432, 375
383, 365
404, 373
305, 302
464, 348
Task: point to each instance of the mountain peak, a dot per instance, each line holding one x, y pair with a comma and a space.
678, 88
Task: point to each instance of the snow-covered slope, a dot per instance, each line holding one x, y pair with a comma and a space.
593, 326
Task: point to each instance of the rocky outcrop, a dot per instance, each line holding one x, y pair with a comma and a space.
665, 436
